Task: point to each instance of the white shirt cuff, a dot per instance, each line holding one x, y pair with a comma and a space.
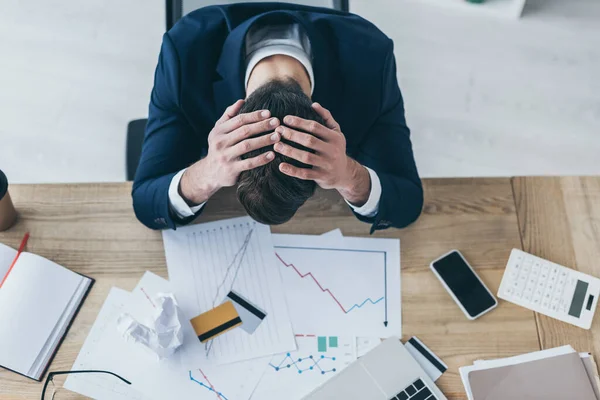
371, 207
177, 203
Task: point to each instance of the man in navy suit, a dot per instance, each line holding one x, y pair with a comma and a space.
276, 99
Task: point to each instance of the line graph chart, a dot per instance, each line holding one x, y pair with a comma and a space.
350, 286
313, 361
206, 261
293, 375
209, 386
236, 263
309, 274
228, 282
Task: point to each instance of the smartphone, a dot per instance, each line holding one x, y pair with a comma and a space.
463, 284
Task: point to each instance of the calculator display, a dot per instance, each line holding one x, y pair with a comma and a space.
578, 299
462, 281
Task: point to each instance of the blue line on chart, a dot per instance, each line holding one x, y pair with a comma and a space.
299, 360
363, 303
385, 318
221, 395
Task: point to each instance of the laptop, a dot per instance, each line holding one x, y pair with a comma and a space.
388, 372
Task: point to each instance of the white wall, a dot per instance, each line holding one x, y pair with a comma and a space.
488, 96
72, 74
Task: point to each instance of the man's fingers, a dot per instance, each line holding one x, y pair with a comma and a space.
248, 145
243, 119
327, 117
297, 154
305, 139
296, 172
254, 162
249, 130
307, 125
230, 112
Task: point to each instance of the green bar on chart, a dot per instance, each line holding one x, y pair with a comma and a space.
322, 343
333, 341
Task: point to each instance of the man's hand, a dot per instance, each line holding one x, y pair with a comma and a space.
231, 138
331, 167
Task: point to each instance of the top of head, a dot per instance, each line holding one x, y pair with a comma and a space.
268, 195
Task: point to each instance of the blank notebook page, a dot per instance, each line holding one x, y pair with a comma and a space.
7, 255
33, 300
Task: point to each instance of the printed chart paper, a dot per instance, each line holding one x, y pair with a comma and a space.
102, 386
349, 285
207, 261
293, 375
106, 349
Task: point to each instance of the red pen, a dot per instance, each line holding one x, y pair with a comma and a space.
21, 248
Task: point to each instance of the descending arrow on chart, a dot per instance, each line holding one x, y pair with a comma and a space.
326, 290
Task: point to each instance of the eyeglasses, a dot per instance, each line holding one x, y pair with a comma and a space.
51, 375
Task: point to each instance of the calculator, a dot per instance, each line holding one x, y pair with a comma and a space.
550, 289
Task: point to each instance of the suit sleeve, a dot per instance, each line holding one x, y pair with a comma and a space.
169, 145
387, 150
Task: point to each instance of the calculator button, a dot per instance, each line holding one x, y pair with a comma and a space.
545, 304
545, 270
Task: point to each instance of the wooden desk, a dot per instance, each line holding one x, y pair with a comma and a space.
91, 229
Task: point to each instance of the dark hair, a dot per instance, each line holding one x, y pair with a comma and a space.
268, 195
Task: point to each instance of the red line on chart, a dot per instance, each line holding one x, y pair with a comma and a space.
148, 297
211, 385
313, 278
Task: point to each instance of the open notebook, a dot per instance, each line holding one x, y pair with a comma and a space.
38, 302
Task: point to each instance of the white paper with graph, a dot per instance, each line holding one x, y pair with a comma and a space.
207, 261
293, 375
350, 285
106, 349
103, 386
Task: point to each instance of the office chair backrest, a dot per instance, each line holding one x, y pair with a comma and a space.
175, 9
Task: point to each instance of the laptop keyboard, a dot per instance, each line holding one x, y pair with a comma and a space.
415, 391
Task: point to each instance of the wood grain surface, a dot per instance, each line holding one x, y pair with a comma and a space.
559, 220
91, 229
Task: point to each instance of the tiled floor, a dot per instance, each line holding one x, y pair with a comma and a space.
484, 96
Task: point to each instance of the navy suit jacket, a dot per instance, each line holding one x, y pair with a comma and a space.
200, 73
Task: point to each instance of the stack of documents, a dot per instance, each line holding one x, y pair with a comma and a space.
324, 301
554, 374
